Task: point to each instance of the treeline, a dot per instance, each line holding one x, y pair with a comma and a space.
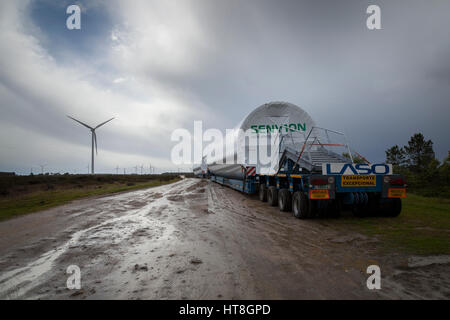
416, 161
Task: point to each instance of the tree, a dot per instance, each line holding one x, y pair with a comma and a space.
431, 174
396, 156
420, 152
444, 170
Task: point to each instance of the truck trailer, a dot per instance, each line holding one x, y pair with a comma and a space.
309, 177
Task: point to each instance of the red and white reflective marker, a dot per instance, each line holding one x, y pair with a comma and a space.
251, 171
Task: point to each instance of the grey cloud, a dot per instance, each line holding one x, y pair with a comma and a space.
379, 87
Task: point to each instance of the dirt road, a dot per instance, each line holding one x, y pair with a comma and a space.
197, 240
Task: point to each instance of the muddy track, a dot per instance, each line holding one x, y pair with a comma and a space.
197, 240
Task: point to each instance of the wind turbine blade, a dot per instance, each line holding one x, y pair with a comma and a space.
84, 124
103, 123
95, 141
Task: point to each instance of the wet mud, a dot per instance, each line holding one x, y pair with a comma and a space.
198, 240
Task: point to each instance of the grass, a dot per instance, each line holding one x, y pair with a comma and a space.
61, 193
423, 227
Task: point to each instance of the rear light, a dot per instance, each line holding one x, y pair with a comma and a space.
319, 182
397, 182
330, 180
394, 181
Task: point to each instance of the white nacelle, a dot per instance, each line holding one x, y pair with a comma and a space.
262, 130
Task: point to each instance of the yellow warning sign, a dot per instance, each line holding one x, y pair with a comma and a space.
357, 180
396, 193
319, 194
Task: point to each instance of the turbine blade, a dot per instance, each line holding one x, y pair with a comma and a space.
103, 123
84, 124
95, 141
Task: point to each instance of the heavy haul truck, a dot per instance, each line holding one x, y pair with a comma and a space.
310, 178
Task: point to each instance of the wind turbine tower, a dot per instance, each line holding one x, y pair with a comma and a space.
94, 138
42, 168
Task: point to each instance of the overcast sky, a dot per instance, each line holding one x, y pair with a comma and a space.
160, 65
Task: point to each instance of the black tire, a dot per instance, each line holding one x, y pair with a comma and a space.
374, 208
313, 211
323, 211
272, 196
284, 200
300, 206
395, 208
359, 210
263, 192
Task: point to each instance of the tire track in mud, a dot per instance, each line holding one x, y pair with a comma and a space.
284, 253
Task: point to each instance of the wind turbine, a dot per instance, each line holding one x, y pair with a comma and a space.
42, 168
94, 138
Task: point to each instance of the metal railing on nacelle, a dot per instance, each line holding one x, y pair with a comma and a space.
316, 142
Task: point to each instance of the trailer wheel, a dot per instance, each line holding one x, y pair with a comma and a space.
394, 209
284, 200
272, 196
313, 210
300, 207
263, 192
374, 208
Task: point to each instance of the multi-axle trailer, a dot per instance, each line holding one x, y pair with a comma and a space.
318, 195
316, 182
307, 174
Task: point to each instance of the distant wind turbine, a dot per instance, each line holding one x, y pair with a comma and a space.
94, 138
42, 168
